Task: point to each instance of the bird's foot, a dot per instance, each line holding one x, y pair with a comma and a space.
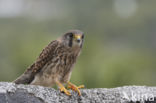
75, 88
63, 89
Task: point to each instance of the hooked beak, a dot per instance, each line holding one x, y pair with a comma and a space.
78, 38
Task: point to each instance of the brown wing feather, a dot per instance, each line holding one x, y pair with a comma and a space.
47, 54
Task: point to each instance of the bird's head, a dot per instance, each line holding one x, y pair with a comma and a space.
73, 38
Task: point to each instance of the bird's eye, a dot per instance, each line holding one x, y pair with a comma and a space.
71, 35
82, 36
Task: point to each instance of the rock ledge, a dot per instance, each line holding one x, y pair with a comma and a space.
12, 93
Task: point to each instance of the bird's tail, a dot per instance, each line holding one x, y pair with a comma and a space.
23, 79
26, 78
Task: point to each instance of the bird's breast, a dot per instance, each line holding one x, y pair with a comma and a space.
65, 65
59, 67
66, 62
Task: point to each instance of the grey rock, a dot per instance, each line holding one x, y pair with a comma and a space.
12, 93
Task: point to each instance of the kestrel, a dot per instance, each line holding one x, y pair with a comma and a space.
55, 63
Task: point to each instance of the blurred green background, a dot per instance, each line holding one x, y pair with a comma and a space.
120, 38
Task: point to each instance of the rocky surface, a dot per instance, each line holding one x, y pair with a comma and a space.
12, 93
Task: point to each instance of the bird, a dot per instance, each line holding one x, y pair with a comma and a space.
55, 63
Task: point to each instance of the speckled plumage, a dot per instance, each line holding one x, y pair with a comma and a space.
55, 63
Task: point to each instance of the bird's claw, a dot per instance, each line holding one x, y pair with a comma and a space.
62, 89
81, 86
75, 88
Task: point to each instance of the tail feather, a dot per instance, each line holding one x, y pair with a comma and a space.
27, 77
24, 79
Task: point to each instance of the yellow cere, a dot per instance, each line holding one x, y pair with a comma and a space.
77, 36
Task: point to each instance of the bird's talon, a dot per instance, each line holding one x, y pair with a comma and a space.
65, 91
75, 88
81, 86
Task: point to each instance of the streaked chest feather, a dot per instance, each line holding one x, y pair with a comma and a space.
59, 67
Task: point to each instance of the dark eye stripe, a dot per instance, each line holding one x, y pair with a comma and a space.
71, 35
82, 36
70, 41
